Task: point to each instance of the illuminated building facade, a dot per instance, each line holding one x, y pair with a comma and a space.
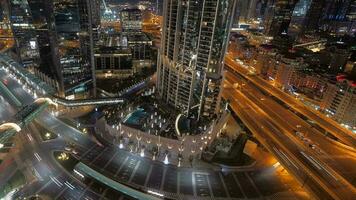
278, 16
339, 101
24, 33
190, 61
131, 20
338, 16
65, 32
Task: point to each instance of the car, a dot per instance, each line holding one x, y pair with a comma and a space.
313, 146
306, 140
299, 134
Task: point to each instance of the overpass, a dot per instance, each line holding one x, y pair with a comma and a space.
23, 118
87, 102
8, 94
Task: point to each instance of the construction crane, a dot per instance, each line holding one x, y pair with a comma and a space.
107, 10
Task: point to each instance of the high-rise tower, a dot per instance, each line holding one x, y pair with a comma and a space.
191, 58
278, 16
313, 16
65, 34
26, 46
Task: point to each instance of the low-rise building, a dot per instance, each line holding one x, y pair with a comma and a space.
113, 62
287, 70
142, 51
339, 101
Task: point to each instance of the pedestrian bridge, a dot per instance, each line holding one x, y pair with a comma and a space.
23, 118
43, 88
88, 102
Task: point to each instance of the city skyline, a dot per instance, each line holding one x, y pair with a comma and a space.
177, 99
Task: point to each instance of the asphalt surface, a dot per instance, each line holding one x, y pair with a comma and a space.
275, 133
327, 151
329, 125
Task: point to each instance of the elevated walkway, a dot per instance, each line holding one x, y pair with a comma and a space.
21, 119
43, 88
8, 94
88, 102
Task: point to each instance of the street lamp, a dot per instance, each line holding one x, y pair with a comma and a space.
180, 155
159, 143
138, 142
166, 162
121, 146
142, 154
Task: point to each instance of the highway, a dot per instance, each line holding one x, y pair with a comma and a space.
327, 124
334, 154
262, 131
310, 152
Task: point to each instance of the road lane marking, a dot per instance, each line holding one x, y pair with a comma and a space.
70, 186
38, 156
55, 180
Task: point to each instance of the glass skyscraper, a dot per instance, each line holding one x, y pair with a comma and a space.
278, 16
65, 34
26, 47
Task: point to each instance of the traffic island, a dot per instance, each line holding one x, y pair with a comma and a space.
67, 160
45, 134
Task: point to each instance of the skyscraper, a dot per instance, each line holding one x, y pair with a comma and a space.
243, 9
95, 12
65, 32
24, 33
247, 9
313, 15
336, 9
190, 61
278, 16
300, 17
338, 17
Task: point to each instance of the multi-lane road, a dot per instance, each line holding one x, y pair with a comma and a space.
329, 164
327, 124
51, 179
299, 130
